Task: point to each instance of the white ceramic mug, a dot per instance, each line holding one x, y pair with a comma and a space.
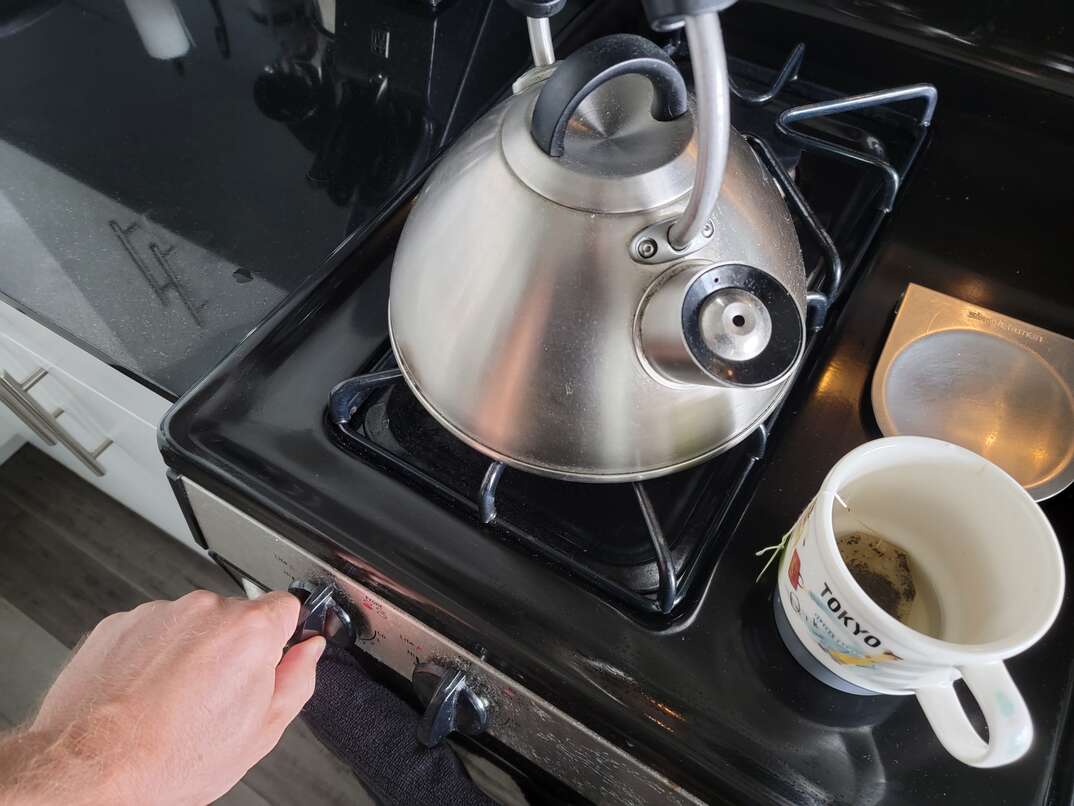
986, 565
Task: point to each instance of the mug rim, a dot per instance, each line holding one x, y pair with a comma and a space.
999, 649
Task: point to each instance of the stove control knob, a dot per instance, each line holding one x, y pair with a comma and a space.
450, 704
321, 614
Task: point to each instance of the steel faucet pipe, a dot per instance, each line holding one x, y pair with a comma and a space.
713, 125
541, 41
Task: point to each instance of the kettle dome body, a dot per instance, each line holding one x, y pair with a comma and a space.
515, 302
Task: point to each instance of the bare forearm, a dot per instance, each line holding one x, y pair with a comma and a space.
38, 767
21, 754
169, 704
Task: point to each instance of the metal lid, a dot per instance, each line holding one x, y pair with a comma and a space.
991, 383
616, 157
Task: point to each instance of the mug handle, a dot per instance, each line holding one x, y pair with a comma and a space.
1010, 729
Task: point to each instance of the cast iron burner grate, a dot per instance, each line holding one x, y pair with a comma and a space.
645, 543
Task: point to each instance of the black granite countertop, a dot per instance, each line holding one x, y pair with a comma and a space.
154, 210
711, 698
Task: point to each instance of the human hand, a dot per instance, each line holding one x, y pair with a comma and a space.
170, 703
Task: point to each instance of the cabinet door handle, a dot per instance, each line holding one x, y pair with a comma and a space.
11, 394
16, 395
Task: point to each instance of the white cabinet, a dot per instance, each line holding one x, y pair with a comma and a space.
101, 424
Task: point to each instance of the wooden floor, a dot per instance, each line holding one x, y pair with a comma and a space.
69, 556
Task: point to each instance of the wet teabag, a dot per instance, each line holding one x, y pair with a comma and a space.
882, 570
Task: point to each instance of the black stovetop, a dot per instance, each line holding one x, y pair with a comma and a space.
709, 696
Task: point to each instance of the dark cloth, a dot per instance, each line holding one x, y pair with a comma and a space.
375, 732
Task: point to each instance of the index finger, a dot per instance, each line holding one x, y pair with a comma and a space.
282, 609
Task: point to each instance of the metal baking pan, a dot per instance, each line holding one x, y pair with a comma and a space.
982, 380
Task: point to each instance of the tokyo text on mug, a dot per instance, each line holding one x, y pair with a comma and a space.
962, 571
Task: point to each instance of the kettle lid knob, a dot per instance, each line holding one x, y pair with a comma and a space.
592, 66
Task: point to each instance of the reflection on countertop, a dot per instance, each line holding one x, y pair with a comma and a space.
1033, 43
172, 169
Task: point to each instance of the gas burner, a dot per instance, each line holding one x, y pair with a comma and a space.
644, 543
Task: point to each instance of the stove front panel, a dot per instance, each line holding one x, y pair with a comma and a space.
520, 719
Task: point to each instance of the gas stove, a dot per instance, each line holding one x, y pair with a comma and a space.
644, 544
605, 678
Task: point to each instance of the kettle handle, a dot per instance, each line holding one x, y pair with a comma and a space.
667, 15
713, 114
538, 12
595, 64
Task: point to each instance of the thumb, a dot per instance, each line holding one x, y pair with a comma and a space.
296, 676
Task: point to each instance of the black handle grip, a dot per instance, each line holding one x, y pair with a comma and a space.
666, 15
594, 64
537, 8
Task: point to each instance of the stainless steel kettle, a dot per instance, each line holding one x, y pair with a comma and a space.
599, 281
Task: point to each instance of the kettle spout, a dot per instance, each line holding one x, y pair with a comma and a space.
728, 325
